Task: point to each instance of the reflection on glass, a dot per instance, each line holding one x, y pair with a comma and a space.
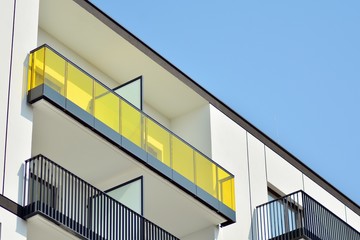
79, 88
158, 142
106, 106
183, 159
131, 123
54, 71
206, 174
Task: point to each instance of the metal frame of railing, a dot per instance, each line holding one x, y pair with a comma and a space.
56, 193
298, 215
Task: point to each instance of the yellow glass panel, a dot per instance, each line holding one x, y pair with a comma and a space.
158, 141
79, 88
54, 71
206, 174
182, 158
106, 106
226, 188
131, 124
36, 68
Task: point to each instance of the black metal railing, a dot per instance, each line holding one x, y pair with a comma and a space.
66, 199
298, 215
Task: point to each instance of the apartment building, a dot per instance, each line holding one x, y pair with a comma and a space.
103, 138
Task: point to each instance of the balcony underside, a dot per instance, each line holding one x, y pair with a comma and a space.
41, 228
85, 153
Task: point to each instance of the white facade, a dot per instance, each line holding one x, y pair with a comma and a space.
102, 48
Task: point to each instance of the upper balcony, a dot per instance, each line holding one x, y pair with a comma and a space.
299, 216
60, 82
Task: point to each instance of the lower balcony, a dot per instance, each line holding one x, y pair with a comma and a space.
70, 202
298, 216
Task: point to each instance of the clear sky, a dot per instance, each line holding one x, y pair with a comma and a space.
292, 68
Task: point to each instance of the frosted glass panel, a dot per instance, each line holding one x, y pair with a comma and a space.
132, 92
129, 194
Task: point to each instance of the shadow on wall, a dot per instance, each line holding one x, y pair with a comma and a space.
25, 107
20, 223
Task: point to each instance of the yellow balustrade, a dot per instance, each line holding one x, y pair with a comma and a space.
50, 68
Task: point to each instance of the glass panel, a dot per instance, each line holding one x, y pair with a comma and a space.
206, 174
183, 158
129, 194
226, 188
158, 142
131, 125
36, 64
106, 106
131, 92
54, 71
79, 88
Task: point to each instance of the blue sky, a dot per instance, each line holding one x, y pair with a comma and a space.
292, 68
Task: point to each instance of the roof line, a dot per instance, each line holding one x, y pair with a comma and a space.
220, 105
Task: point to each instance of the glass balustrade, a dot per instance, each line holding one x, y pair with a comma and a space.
48, 67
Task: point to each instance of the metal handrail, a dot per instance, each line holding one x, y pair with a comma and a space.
299, 215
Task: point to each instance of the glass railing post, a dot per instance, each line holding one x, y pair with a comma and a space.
194, 168
143, 132
171, 151
65, 80
217, 185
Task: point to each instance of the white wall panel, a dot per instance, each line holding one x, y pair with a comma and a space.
228, 144
353, 219
12, 227
324, 198
194, 127
281, 174
257, 176
6, 13
20, 114
205, 234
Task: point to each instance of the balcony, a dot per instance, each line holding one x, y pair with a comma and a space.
89, 213
64, 85
298, 216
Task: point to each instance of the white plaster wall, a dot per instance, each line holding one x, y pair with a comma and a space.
12, 227
257, 176
6, 20
228, 144
45, 38
205, 234
353, 219
281, 174
324, 198
20, 114
152, 112
194, 127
